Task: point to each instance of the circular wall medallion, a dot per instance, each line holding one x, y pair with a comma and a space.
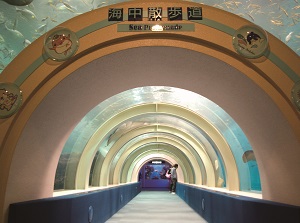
295, 93
250, 41
10, 99
61, 44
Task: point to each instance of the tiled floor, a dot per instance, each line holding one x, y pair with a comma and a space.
156, 206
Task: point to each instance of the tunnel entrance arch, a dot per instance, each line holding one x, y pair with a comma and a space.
37, 80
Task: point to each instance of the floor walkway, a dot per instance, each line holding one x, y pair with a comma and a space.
156, 206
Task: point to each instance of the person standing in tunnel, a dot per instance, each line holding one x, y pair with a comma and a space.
173, 178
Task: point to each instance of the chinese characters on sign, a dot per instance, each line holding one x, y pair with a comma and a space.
194, 13
174, 13
115, 14
135, 14
155, 14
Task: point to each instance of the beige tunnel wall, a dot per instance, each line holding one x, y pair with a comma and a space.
58, 95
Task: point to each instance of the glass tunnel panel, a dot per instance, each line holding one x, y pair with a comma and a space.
216, 116
179, 124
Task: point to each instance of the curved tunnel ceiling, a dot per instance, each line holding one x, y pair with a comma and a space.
163, 122
21, 25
